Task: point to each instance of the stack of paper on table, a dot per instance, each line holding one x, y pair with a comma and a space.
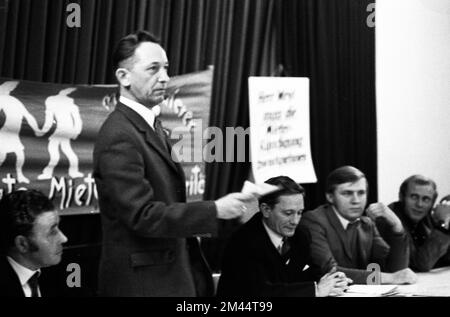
358, 290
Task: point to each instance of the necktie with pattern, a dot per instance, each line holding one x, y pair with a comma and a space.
160, 132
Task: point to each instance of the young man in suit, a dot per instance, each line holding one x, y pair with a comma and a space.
265, 258
427, 229
344, 234
150, 245
30, 240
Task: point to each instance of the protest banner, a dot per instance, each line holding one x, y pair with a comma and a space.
48, 131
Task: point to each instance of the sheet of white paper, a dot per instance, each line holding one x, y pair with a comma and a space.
258, 189
279, 128
358, 290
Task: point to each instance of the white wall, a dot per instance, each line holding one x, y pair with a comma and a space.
413, 93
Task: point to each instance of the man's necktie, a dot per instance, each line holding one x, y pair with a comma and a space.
160, 132
352, 225
285, 247
33, 283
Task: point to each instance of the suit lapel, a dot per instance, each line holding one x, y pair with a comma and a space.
265, 241
150, 135
11, 282
340, 231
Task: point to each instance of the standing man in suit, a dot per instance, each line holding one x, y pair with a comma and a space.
427, 229
30, 240
344, 234
264, 258
150, 245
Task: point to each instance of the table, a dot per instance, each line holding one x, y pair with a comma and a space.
433, 283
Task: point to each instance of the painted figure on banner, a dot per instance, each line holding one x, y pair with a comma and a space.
62, 111
177, 106
14, 112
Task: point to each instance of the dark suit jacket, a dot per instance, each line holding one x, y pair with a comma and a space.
252, 266
10, 284
433, 251
330, 250
9, 281
148, 246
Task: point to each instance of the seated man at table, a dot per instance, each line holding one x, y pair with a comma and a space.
427, 229
263, 258
344, 234
30, 241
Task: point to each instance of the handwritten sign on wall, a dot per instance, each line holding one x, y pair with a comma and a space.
279, 128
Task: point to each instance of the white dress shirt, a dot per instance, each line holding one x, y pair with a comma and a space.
24, 275
147, 114
276, 239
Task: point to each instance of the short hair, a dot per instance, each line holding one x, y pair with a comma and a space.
446, 198
128, 45
18, 212
418, 180
341, 175
287, 187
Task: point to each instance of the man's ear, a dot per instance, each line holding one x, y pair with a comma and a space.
265, 209
21, 244
329, 198
123, 77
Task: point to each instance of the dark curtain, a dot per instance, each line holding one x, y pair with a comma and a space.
330, 42
325, 40
245, 47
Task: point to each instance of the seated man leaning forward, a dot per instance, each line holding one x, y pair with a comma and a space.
264, 258
344, 234
427, 229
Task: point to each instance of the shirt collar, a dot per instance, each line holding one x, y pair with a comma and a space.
22, 272
343, 221
147, 114
274, 237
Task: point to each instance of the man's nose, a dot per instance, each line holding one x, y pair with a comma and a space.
419, 203
63, 238
164, 77
296, 219
355, 198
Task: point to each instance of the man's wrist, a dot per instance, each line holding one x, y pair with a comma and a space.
439, 224
397, 227
442, 226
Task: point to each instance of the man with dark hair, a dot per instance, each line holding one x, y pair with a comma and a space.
344, 234
265, 258
427, 230
150, 234
30, 240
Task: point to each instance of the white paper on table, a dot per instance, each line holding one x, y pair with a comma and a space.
360, 290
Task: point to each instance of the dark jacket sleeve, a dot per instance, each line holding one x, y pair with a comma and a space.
398, 255
321, 254
424, 257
